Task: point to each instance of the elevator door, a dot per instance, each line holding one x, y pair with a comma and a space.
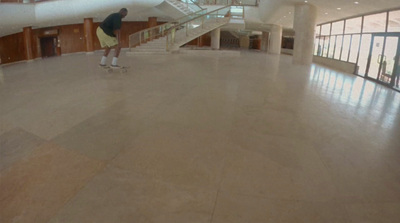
48, 46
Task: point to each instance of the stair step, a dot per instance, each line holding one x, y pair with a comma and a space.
149, 50
154, 44
158, 46
146, 53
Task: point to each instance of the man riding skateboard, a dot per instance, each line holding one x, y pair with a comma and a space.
109, 35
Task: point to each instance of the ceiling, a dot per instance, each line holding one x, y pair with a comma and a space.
15, 16
327, 10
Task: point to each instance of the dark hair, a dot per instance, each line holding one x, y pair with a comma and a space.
123, 10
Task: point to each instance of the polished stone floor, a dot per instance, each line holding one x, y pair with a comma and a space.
188, 138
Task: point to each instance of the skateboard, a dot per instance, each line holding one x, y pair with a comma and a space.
112, 69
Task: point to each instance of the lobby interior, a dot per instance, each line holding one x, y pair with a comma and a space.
238, 136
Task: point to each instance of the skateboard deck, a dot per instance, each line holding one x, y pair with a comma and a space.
110, 69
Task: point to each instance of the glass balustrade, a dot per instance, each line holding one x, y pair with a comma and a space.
193, 5
181, 31
227, 2
149, 34
181, 28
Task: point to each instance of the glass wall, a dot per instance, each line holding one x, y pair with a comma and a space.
350, 39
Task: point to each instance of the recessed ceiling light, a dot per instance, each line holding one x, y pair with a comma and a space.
339, 8
305, 1
326, 13
356, 3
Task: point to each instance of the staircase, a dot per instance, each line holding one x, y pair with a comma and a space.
181, 6
181, 37
178, 35
177, 9
157, 46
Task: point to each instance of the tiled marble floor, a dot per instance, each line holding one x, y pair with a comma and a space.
192, 138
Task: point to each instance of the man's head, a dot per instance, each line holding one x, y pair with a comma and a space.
123, 12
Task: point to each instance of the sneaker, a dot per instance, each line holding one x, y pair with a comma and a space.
102, 65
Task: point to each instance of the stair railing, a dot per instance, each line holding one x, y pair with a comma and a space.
143, 36
195, 23
192, 4
228, 2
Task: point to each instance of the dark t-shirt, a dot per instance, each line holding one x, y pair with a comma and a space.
111, 23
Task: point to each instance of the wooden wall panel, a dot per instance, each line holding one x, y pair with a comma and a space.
194, 42
15, 1
129, 28
36, 44
206, 39
72, 39
12, 48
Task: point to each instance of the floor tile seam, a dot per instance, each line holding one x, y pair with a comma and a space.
219, 185
222, 191
263, 155
281, 135
86, 182
30, 155
347, 203
92, 115
328, 170
251, 195
20, 128
59, 147
180, 97
152, 115
146, 176
215, 206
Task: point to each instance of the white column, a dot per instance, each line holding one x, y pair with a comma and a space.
244, 42
275, 43
305, 16
264, 41
215, 39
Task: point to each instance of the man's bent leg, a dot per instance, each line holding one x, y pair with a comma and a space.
116, 55
104, 57
117, 51
107, 51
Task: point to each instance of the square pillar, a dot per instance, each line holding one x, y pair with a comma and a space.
275, 43
244, 42
88, 32
215, 39
27, 33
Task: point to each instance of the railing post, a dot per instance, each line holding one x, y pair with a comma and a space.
173, 35
166, 47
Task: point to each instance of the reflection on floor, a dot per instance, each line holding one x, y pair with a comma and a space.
191, 138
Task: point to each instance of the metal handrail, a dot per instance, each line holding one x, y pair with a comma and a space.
199, 17
171, 30
229, 2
